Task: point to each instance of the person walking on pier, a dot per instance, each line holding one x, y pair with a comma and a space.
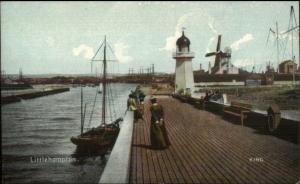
158, 133
132, 106
139, 96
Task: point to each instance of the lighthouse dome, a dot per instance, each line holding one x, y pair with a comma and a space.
183, 41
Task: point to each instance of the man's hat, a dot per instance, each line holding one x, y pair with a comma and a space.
153, 99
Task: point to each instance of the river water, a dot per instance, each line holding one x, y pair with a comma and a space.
36, 146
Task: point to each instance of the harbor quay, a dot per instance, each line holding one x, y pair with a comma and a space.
10, 97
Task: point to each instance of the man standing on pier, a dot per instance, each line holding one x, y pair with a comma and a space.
158, 133
132, 106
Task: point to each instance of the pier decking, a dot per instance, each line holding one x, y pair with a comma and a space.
208, 149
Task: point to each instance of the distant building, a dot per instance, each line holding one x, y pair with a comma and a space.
287, 67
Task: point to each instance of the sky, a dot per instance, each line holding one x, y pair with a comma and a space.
62, 37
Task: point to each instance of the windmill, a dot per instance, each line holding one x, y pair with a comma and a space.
221, 59
218, 54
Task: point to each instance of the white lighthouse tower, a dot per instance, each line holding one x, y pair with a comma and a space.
184, 77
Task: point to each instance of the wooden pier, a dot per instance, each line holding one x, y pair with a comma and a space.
208, 149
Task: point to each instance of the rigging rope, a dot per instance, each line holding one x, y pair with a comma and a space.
111, 50
286, 39
113, 103
109, 103
110, 98
97, 51
91, 115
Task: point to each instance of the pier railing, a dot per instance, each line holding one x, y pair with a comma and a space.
118, 165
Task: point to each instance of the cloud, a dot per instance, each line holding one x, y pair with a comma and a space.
211, 40
121, 52
284, 36
87, 52
171, 41
246, 38
211, 26
243, 62
194, 16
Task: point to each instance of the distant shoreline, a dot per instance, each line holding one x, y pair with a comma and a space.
200, 78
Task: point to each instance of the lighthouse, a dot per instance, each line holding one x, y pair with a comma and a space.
184, 78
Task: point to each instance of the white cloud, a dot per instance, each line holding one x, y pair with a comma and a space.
246, 38
171, 41
211, 40
194, 16
243, 62
121, 52
87, 52
211, 25
284, 36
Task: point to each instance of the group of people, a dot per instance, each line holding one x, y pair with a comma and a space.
158, 133
135, 103
212, 95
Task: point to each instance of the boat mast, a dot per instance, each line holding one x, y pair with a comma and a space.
104, 84
293, 57
81, 111
277, 47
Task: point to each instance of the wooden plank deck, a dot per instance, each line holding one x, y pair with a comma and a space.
207, 149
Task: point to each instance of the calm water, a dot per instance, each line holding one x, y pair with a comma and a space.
36, 133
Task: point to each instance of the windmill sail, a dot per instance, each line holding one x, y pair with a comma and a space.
218, 54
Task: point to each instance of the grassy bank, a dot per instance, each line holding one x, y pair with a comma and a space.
287, 97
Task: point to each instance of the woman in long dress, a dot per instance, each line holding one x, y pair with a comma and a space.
158, 133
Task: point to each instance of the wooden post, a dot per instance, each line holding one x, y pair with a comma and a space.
81, 101
242, 118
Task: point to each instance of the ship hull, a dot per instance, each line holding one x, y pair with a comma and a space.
98, 140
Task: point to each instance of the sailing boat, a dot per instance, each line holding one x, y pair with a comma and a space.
102, 138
